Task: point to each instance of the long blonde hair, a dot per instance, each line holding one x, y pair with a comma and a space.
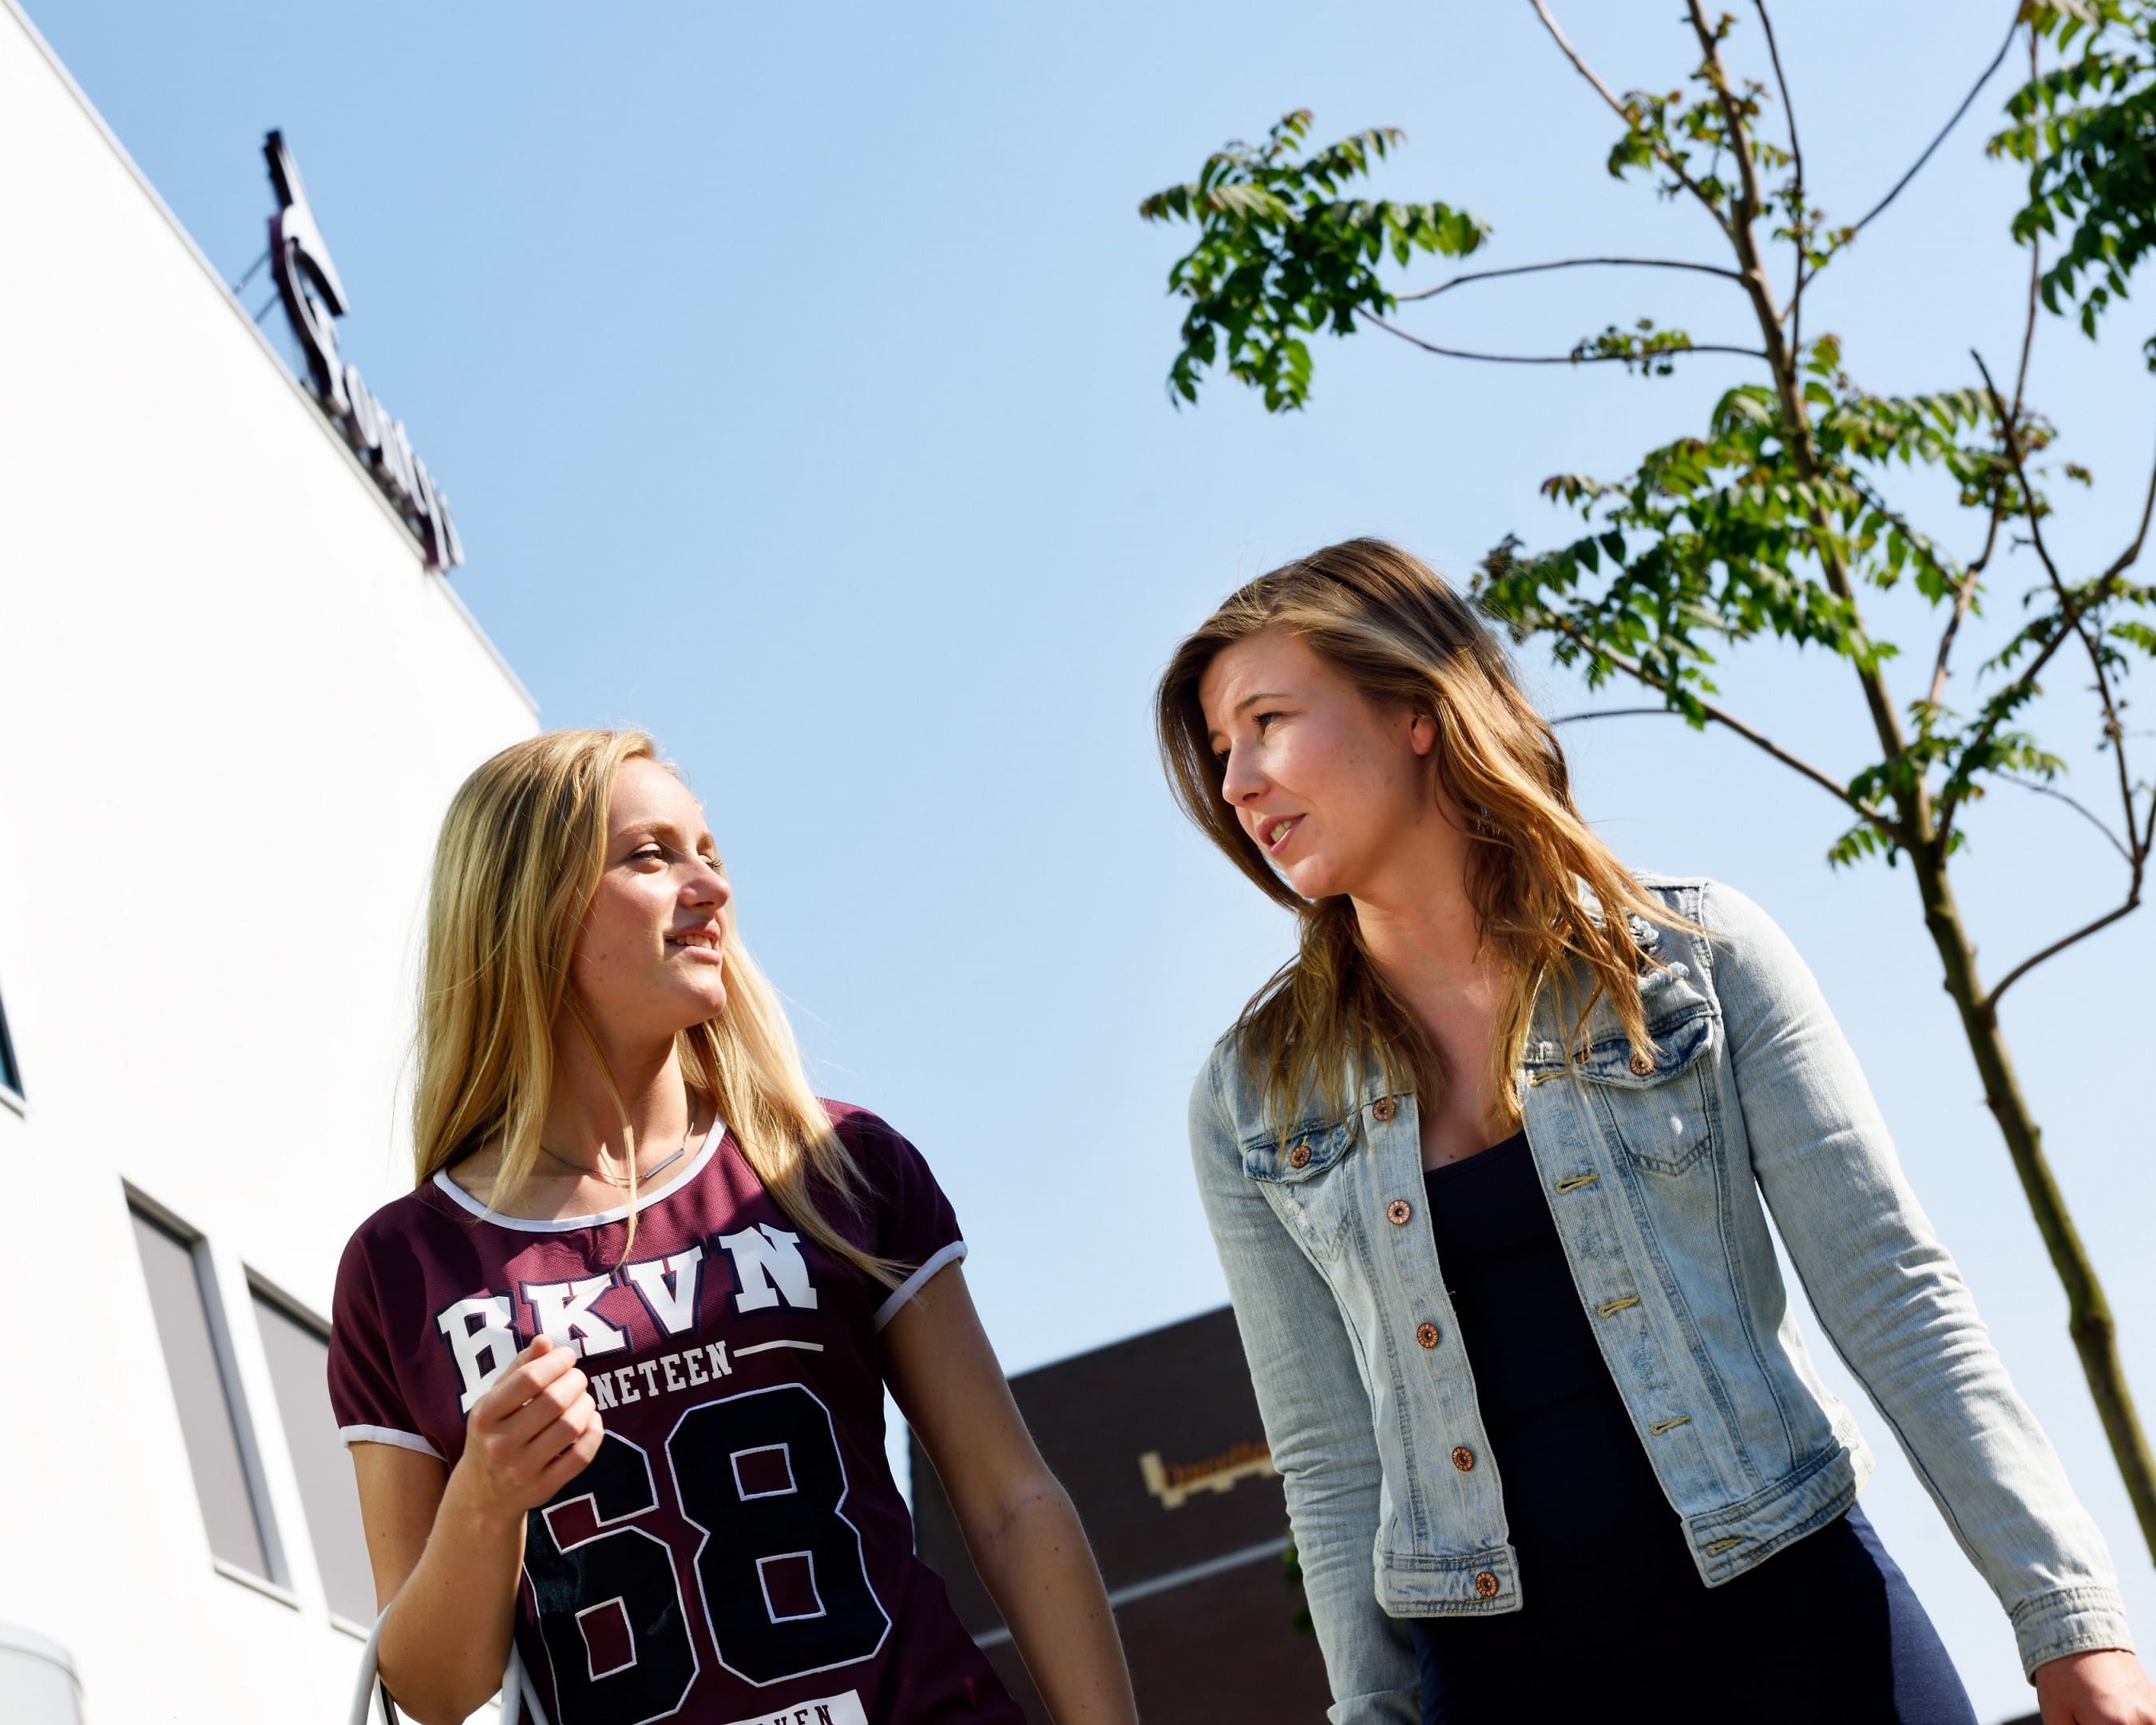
1399, 632
521, 854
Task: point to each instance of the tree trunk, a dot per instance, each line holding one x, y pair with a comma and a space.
2088, 1313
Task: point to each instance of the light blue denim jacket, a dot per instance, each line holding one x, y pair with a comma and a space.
1655, 1178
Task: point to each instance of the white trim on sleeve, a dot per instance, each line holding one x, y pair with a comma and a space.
952, 1254
387, 1435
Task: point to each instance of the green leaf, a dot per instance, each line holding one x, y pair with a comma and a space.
2087, 130
1280, 254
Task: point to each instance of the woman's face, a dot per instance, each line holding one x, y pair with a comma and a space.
649, 959
1331, 789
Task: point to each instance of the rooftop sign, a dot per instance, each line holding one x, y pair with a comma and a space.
314, 298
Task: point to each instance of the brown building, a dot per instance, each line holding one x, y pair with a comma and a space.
1157, 1441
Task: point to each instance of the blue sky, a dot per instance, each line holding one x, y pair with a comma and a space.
797, 376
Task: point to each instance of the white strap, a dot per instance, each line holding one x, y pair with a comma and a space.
520, 1702
363, 1692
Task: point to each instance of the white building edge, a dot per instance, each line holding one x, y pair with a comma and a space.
235, 703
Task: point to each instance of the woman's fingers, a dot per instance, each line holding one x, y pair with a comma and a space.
559, 1437
531, 1372
589, 1434
547, 1404
537, 1433
535, 1428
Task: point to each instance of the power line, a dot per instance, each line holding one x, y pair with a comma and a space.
238, 286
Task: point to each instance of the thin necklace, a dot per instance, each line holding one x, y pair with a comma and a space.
659, 1166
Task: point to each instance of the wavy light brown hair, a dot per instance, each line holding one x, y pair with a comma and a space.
1395, 630
518, 862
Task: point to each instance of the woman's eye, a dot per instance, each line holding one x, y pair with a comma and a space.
1263, 720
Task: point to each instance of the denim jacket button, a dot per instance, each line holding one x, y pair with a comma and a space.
1384, 1107
1642, 1065
1398, 1211
1299, 1156
1426, 1334
1463, 1458
1485, 1584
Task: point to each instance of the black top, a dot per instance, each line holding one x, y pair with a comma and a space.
1615, 1622
1574, 1470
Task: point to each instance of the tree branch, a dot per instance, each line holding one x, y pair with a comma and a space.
1749, 203
1550, 359
1827, 782
1985, 731
1965, 593
1876, 502
1799, 221
2045, 790
2127, 557
1912, 797
2072, 610
2010, 438
1661, 151
1431, 293
1997, 60
1617, 713
1989, 1004
2036, 278
1964, 589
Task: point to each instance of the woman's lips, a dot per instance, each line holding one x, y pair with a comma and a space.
1281, 832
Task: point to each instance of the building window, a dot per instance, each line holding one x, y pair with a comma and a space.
11, 1075
212, 1412
297, 1344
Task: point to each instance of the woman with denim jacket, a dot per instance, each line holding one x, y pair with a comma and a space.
1489, 1165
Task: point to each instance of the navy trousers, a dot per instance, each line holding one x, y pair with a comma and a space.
1827, 1630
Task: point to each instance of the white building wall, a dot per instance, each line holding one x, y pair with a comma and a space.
232, 707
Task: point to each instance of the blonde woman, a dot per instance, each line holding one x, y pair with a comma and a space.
612, 1374
1489, 1165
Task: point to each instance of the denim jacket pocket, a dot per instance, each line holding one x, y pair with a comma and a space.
1660, 1113
1302, 1176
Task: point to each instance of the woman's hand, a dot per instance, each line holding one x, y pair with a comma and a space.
2105, 1687
446, 1545
534, 1431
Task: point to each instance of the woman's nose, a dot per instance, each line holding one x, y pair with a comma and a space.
709, 887
1240, 779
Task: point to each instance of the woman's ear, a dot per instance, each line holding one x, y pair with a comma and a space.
1422, 733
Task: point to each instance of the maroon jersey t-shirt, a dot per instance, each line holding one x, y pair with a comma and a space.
737, 1553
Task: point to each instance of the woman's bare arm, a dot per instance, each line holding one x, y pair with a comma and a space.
1018, 1521
446, 1544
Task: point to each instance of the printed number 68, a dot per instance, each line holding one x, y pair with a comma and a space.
779, 1572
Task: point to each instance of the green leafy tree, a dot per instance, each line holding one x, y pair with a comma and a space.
1779, 517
